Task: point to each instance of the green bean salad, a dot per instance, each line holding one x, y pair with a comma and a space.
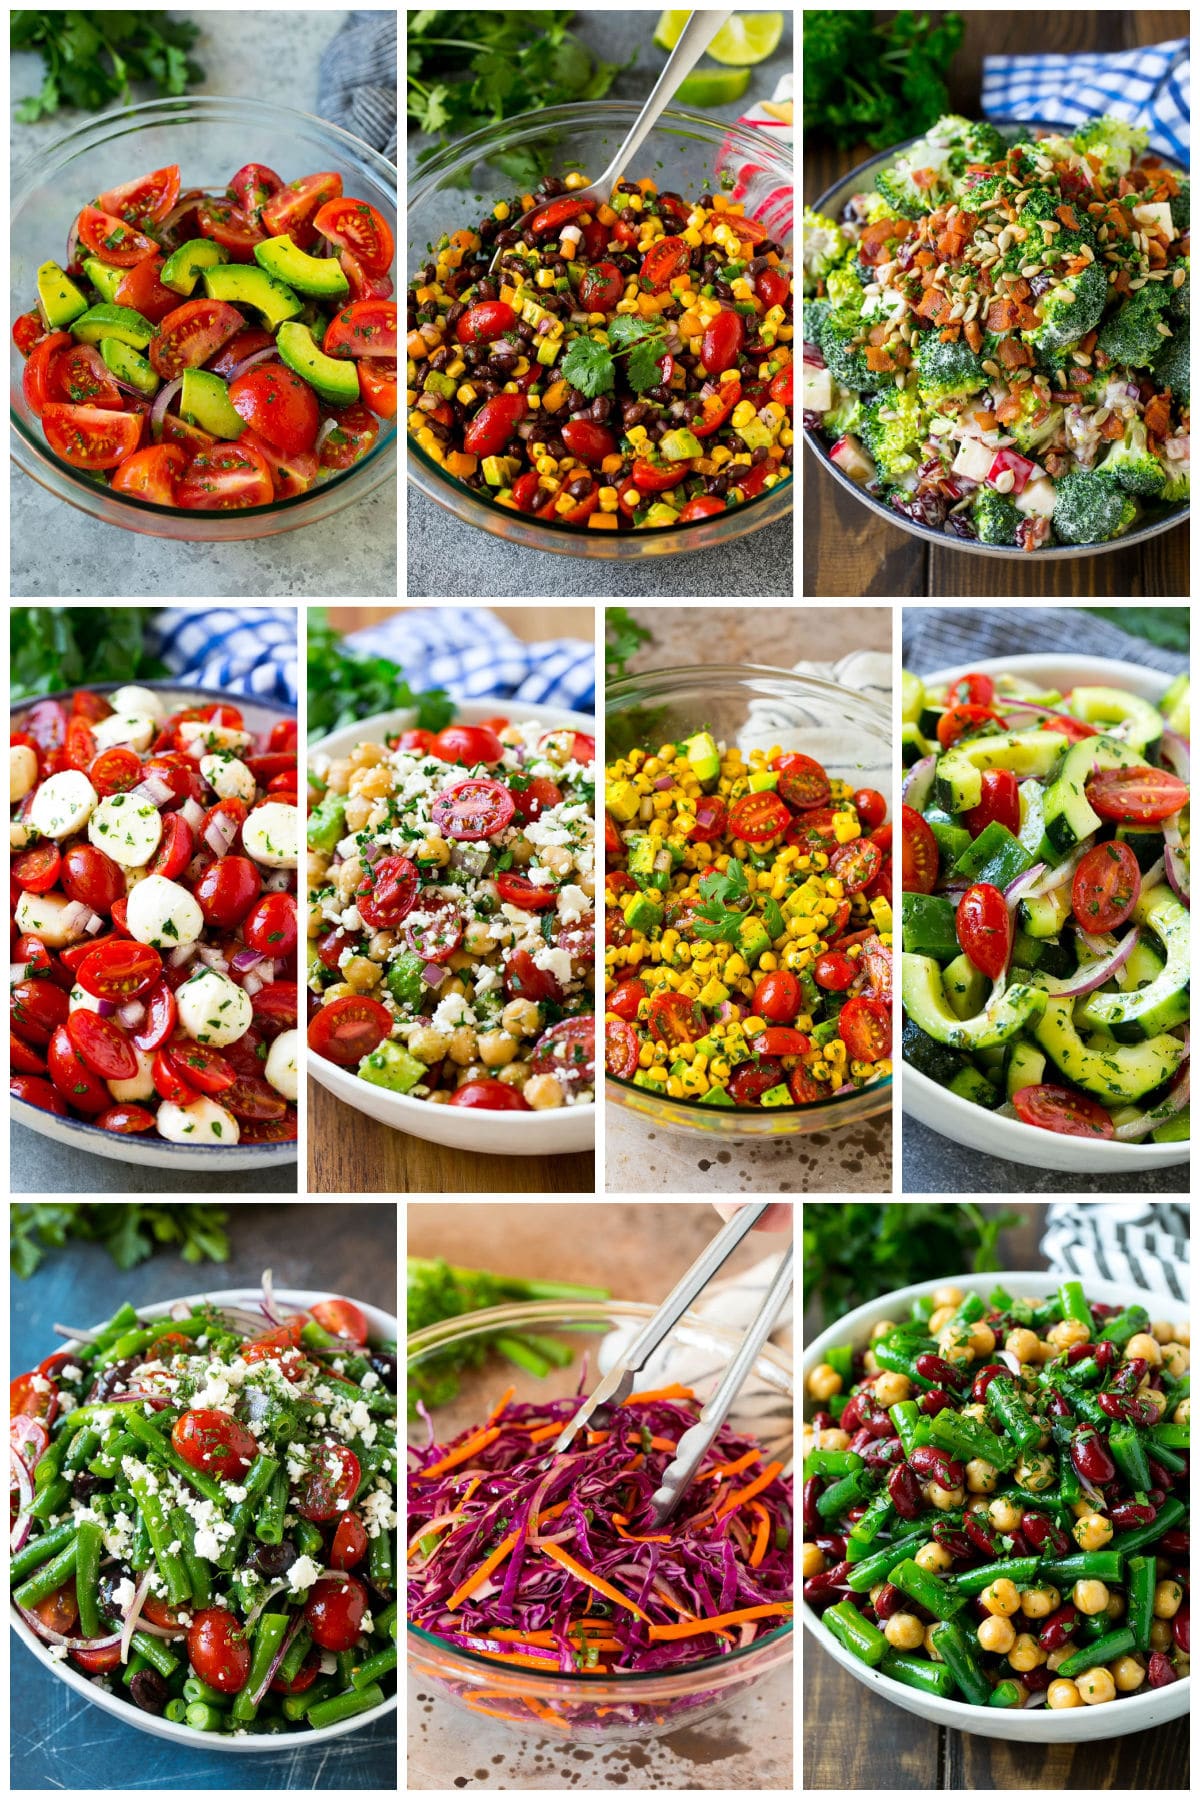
204, 1513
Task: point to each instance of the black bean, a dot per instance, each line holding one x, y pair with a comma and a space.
488, 229
758, 454
508, 236
600, 408
552, 186
487, 289
579, 487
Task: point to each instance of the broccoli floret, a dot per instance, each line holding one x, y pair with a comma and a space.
844, 289
1131, 463
1069, 310
995, 517
845, 359
901, 195
1023, 430
845, 416
1090, 510
1114, 142
1172, 367
825, 245
1181, 205
1179, 482
1181, 296
892, 426
813, 315
1131, 337
946, 368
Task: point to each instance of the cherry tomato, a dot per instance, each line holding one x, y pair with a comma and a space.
590, 442
834, 971
856, 865
723, 338
959, 719
984, 928
558, 213
919, 853
704, 506
436, 938
518, 890
777, 997
672, 1018
803, 783
567, 1051
494, 424
751, 1080
804, 1087
473, 810
620, 1049
387, 892
711, 819
871, 807
467, 744
271, 926
37, 869
79, 1086
1064, 1110
625, 999
482, 323
537, 796
523, 980
119, 970
666, 258
1106, 887
972, 690
489, 1095
999, 803
601, 287
781, 1040
102, 1044
115, 771
36, 1010
348, 1029
865, 1027
758, 817
1137, 796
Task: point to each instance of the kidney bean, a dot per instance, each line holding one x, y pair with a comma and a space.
1162, 1478
934, 1402
905, 1492
955, 1541
1176, 1542
1181, 1629
1114, 1405
1036, 1680
934, 1464
936, 1368
984, 1380
979, 1534
832, 1544
883, 1453
813, 1487
851, 1419
1077, 1352
876, 1419
1019, 1546
1057, 1628
1090, 1457
1058, 1406
1041, 1533
1130, 1375
890, 1600
1159, 1672
822, 1590
1143, 1411
860, 1440
1129, 1514
1105, 1353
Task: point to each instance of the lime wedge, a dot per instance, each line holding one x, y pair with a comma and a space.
668, 29
713, 87
747, 39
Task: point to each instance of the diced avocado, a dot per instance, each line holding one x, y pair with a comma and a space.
660, 514
716, 1096
753, 939
205, 402
319, 275
713, 993
392, 1066
643, 914
327, 823
680, 445
499, 471
239, 284
706, 1047
532, 312
334, 378
648, 867
59, 299
445, 386
702, 753
184, 267
776, 1096
103, 277
642, 1079
406, 980
128, 366
1176, 705
548, 350
764, 781
109, 321
755, 435
622, 800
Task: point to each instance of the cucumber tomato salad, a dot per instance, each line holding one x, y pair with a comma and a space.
213, 350
1045, 907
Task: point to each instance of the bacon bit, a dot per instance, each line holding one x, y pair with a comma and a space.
1156, 252
1009, 408
876, 245
1078, 377
930, 304
1001, 315
1087, 344
1013, 353
949, 335
973, 335
1120, 282
1019, 290
950, 243
1113, 427
879, 359
1157, 416
1056, 465
924, 178
925, 259
1067, 215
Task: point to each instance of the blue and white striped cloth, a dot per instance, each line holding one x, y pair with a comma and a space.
1150, 86
471, 653
250, 650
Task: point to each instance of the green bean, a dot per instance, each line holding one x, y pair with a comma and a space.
156, 1652
1021, 1569
1127, 1324
876, 1568
345, 1706
171, 1565
134, 1666
1074, 1305
40, 1549
202, 1717
1141, 1578
1129, 1455
382, 1663
1086, 1565
269, 1633
196, 1566
951, 1644
53, 1497
832, 1463
851, 1490
1007, 1693
49, 1579
195, 1689
1105, 1650
1011, 1412
379, 1560
141, 1428
855, 1633
926, 1589
176, 1712
87, 1576
916, 1672
1172, 1512
268, 1527
295, 1706
294, 1656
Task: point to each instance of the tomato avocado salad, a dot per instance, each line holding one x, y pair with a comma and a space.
215, 350
1045, 906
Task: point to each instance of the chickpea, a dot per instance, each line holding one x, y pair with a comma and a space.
1063, 1336
477, 937
934, 1557
1026, 1653
433, 850
891, 1389
372, 784
824, 1382
882, 1329
543, 1092
379, 944
496, 1048
1144, 1346
429, 1043
362, 974
944, 1499
1127, 1673
516, 1074
1096, 1688
1061, 1696
522, 1018
521, 850
462, 1045
997, 1636
22, 772
452, 988
1092, 1532
1001, 1598
1090, 1596
1161, 1635
1023, 1344
812, 1561
337, 780
1168, 1598
981, 1476
347, 880
948, 1296
903, 1631
358, 811
1039, 1603
1177, 1359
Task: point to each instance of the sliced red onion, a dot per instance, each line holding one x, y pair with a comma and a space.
132, 1014
270, 354
918, 782
106, 1009
1094, 974
79, 917
1177, 754
433, 974
1154, 875
152, 788
1061, 874
663, 783
162, 400
245, 958
193, 814
279, 881
1179, 875
1017, 890
219, 834
182, 955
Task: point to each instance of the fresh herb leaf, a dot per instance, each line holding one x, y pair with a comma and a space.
347, 685
623, 638
720, 918
854, 1252
84, 66
876, 82
1165, 626
129, 1231
56, 647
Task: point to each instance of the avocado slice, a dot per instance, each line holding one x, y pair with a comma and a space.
205, 402
103, 277
331, 377
119, 322
60, 300
241, 285
680, 445
320, 275
127, 365
622, 800
184, 267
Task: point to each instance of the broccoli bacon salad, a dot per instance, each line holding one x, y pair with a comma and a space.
996, 338
1046, 852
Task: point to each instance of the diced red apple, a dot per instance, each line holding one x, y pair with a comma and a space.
853, 460
973, 460
1037, 497
1022, 469
818, 389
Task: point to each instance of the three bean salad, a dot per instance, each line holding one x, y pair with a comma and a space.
451, 915
748, 934
205, 1513
996, 1499
626, 366
153, 985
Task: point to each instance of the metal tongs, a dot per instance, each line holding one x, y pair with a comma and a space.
619, 1383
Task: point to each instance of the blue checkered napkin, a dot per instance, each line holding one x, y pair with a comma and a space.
1150, 86
951, 638
250, 651
473, 655
357, 83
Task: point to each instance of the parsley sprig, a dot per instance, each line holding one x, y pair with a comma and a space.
720, 917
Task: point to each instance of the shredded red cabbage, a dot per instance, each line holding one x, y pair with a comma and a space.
493, 1498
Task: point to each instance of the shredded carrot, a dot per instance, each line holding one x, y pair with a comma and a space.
696, 1627
545, 1714
733, 1468
542, 1432
756, 1487
762, 1536
501, 1404
464, 1453
482, 1572
674, 1392
557, 1554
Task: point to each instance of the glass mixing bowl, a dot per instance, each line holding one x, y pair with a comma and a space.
686, 154
210, 138
618, 1709
849, 735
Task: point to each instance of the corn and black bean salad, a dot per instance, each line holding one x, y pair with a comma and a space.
451, 916
628, 365
748, 958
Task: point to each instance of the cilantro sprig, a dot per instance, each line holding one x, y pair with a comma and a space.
722, 914
591, 366
91, 58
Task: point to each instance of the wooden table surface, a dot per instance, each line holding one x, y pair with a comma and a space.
351, 1154
848, 549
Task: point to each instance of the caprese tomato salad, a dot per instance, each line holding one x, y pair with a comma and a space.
215, 350
1045, 912
154, 924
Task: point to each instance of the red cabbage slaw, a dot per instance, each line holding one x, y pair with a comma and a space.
556, 1565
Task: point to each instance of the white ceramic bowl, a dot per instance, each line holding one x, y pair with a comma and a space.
1083, 1724
383, 1326
150, 1151
548, 1133
975, 1126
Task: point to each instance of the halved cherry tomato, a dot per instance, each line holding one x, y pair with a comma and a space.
473, 810
834, 971
856, 864
102, 1044
723, 338
625, 999
666, 258
656, 478
1139, 796
672, 1018
802, 782
959, 719
1106, 887
346, 1030
90, 876
1063, 1110
704, 506
621, 1049
781, 1040
999, 803
871, 807
919, 853
751, 1080
119, 970
487, 1094
758, 817
436, 933
37, 869
79, 1086
601, 287
487, 320
972, 690
518, 890
590, 442
865, 1027
984, 928
356, 226
558, 213
127, 1119
201, 1067
494, 424
387, 892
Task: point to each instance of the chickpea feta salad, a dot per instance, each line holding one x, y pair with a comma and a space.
452, 916
996, 337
